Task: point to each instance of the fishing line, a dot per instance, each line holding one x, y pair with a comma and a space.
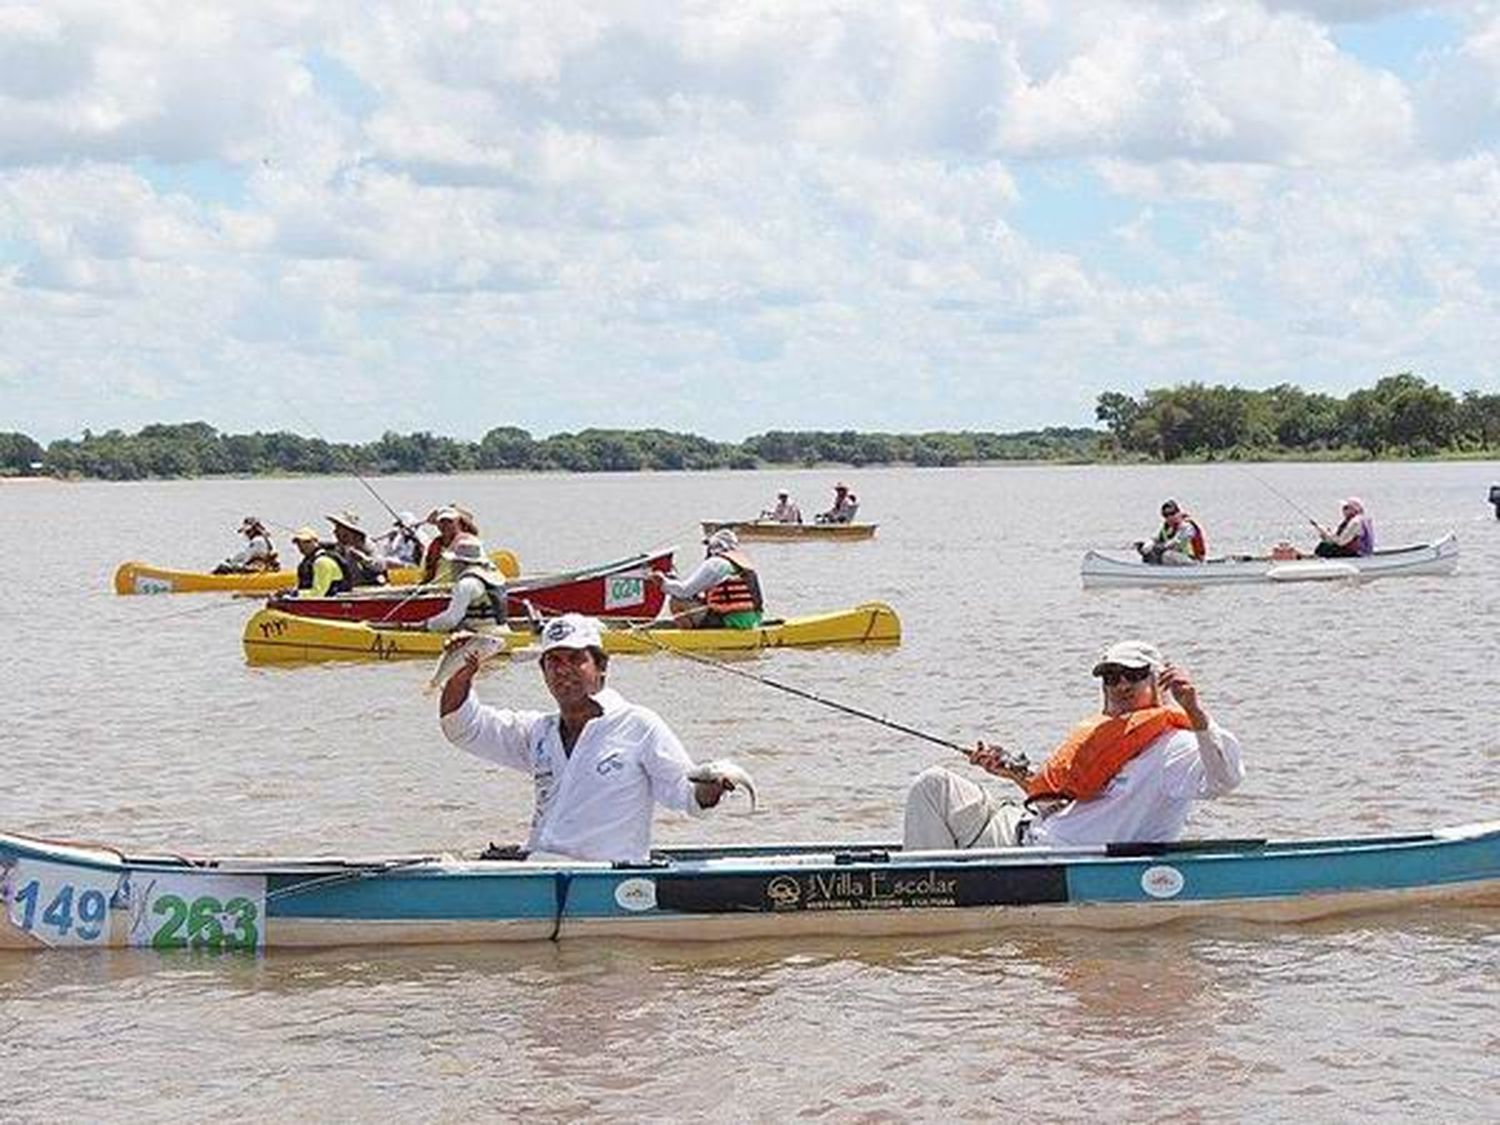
1278, 493
800, 693
347, 457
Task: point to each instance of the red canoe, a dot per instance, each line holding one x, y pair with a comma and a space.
615, 589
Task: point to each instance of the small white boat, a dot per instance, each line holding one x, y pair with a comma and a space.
1439, 557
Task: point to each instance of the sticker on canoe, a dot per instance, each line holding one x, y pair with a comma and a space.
59, 904
636, 895
189, 910
1162, 882
621, 590
145, 585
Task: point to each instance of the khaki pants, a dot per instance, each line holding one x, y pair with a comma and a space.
945, 812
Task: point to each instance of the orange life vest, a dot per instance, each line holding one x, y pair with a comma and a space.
1098, 748
739, 593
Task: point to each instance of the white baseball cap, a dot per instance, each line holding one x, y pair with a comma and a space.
571, 630
1129, 654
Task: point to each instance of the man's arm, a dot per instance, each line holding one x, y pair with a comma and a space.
710, 572
457, 609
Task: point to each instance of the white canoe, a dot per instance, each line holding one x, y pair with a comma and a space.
1439, 557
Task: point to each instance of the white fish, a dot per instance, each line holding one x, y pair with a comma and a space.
485, 645
722, 769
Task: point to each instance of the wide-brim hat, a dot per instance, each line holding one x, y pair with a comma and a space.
722, 541
250, 523
345, 519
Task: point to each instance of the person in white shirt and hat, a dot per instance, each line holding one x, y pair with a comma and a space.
785, 511
722, 593
478, 589
365, 566
401, 545
258, 555
1129, 774
599, 764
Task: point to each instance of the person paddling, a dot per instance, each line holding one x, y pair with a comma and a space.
1354, 536
1178, 542
259, 553
1129, 774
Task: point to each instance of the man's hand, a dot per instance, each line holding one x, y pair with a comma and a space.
995, 760
1174, 681
708, 793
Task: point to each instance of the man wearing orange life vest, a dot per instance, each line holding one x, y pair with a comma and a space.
1127, 775
722, 593
1179, 542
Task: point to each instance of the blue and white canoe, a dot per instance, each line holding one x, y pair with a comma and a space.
69, 894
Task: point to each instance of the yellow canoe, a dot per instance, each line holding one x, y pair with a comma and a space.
273, 637
142, 578
793, 532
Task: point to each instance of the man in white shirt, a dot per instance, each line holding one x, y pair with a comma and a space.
785, 511
401, 545
598, 764
1129, 775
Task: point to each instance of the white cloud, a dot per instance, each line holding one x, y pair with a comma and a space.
750, 215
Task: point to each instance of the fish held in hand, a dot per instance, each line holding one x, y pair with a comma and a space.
723, 770
483, 645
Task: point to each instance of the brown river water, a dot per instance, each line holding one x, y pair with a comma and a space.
1360, 708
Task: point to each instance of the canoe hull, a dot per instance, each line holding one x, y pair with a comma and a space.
274, 637
616, 589
766, 530
142, 578
1426, 559
62, 895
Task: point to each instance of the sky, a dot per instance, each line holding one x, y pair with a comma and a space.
345, 218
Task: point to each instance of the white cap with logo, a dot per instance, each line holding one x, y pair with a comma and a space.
571, 630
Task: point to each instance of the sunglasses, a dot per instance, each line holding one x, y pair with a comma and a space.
1112, 676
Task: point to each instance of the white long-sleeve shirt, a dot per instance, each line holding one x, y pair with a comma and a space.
711, 571
257, 548
468, 592
1149, 799
596, 803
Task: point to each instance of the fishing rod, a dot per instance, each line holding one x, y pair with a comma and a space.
800, 693
1279, 494
348, 460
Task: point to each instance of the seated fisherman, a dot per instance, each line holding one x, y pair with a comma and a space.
1179, 542
258, 555
478, 591
722, 593
322, 570
1127, 775
1354, 536
845, 506
785, 511
401, 545
365, 566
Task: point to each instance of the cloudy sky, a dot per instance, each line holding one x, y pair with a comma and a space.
732, 217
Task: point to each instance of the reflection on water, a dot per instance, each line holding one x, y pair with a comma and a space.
1360, 708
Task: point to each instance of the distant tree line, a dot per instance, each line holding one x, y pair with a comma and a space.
196, 449
1400, 416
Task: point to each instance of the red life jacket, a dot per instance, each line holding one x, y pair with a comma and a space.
1097, 749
